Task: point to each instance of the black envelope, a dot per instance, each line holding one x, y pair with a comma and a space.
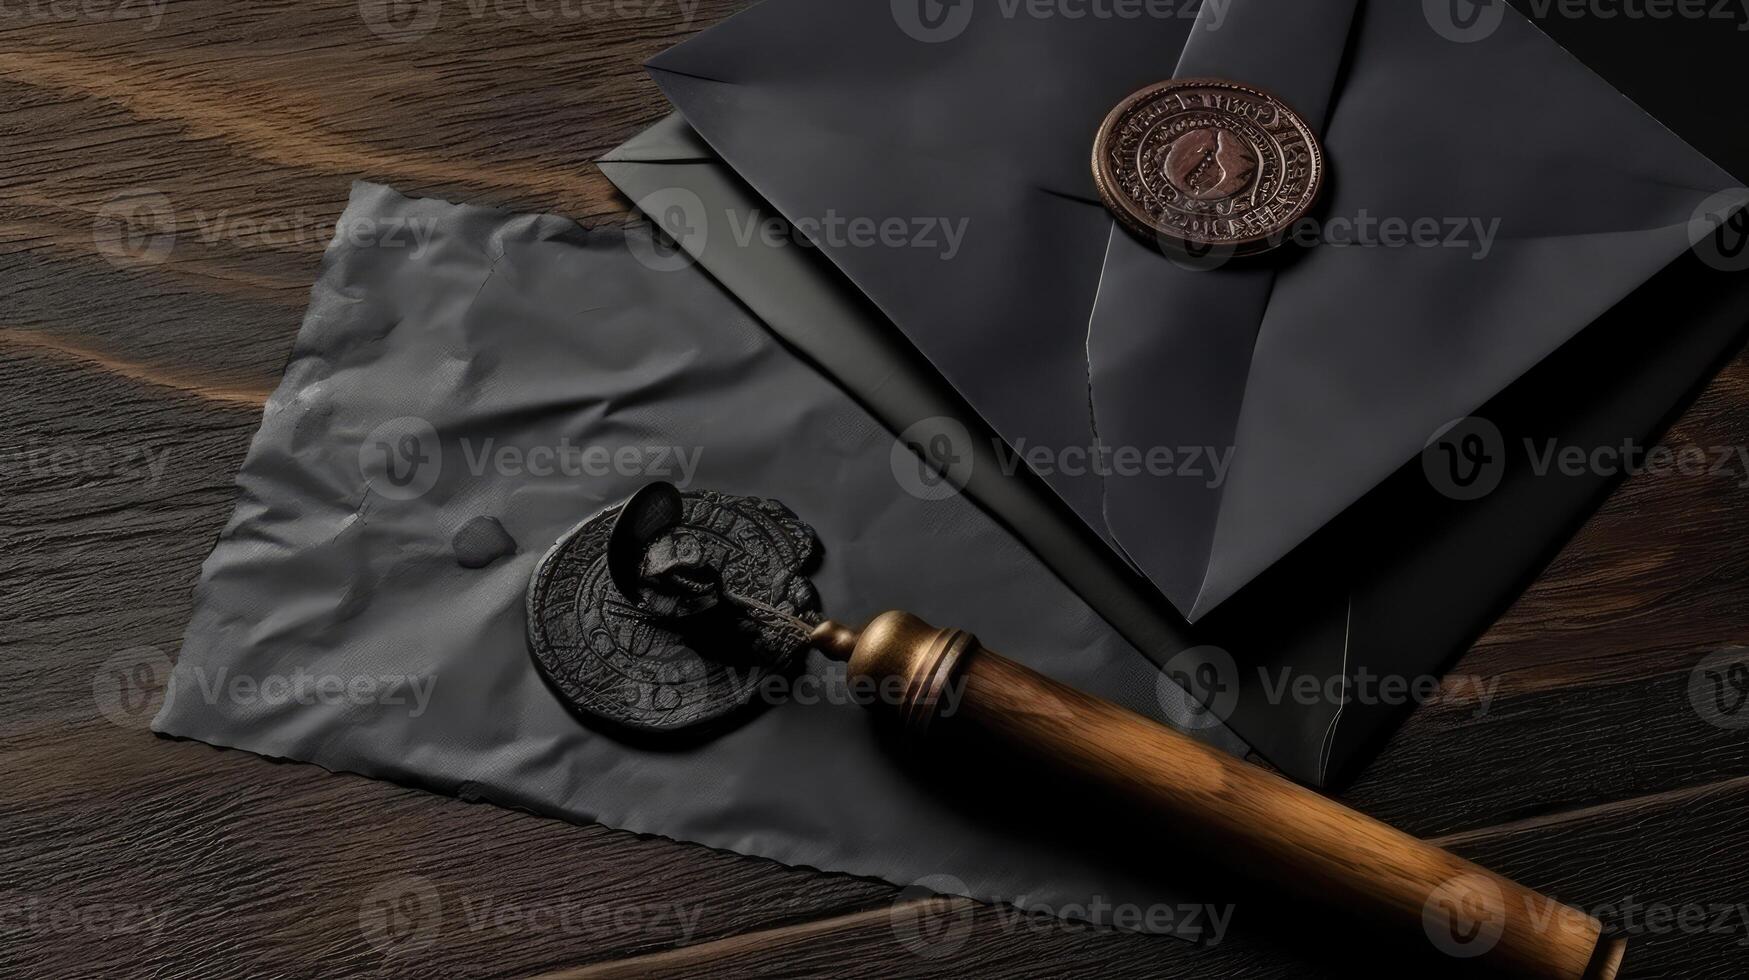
1350, 540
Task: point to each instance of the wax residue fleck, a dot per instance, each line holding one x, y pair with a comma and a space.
480, 542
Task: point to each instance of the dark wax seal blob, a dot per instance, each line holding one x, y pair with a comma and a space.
670, 658
480, 542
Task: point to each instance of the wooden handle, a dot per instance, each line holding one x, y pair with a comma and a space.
1267, 826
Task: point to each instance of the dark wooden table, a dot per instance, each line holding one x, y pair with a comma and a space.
129, 387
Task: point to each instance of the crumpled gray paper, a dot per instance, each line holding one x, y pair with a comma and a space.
452, 407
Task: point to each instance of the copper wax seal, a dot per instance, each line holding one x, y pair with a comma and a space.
1202, 164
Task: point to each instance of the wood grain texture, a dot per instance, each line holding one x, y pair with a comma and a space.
1297, 840
133, 359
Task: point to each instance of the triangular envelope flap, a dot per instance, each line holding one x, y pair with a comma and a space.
988, 309
1512, 126
1365, 352
1016, 95
845, 109
669, 140
1169, 343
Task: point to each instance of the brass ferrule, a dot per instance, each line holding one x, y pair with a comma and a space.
899, 645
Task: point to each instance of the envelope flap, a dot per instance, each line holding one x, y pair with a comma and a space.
670, 140
1364, 353
991, 83
983, 276
1321, 380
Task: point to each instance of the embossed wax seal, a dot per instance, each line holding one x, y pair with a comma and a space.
653, 663
1200, 164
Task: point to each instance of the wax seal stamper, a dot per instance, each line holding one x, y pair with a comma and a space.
1200, 164
668, 612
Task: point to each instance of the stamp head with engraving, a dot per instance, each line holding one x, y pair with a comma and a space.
1198, 164
667, 613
